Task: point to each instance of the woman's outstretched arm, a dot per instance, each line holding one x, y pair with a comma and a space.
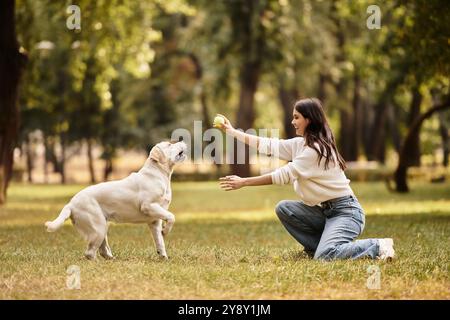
229, 183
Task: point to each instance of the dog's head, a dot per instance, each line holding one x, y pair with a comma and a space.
169, 153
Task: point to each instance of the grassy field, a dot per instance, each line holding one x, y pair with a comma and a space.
224, 245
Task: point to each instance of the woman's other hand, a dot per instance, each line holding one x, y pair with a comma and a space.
229, 183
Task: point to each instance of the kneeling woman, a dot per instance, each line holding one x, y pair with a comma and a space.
329, 217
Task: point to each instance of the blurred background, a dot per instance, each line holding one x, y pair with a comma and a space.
88, 87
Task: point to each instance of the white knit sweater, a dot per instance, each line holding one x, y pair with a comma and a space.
311, 181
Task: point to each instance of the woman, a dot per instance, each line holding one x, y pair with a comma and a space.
329, 217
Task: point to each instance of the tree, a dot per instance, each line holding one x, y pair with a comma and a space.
12, 62
400, 174
248, 35
425, 39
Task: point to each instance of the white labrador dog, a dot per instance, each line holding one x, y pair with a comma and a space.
142, 197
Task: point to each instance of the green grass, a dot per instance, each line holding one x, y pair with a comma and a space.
224, 245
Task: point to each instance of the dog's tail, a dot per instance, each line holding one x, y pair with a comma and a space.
54, 225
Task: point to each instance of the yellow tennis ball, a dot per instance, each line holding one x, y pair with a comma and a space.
218, 121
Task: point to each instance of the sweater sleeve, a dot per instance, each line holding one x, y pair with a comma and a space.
304, 165
283, 149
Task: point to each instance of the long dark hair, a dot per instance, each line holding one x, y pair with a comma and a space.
318, 131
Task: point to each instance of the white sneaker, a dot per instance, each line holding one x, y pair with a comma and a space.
386, 249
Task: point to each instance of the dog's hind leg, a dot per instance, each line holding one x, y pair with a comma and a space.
96, 239
156, 229
105, 250
91, 224
93, 245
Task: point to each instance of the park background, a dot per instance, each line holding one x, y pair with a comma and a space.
84, 103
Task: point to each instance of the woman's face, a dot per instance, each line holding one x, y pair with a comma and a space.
299, 122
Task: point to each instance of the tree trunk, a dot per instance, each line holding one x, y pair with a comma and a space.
11, 64
52, 157
357, 126
62, 162
108, 169
287, 99
245, 115
321, 90
413, 153
400, 174
46, 157
378, 132
346, 117
393, 120
443, 130
381, 151
90, 160
199, 78
367, 120
250, 34
29, 158
346, 135
109, 138
203, 99
377, 137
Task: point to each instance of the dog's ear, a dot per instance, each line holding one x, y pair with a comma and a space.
157, 155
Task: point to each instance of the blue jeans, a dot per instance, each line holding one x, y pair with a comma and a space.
327, 232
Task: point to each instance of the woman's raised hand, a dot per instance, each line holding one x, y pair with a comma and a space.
226, 125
